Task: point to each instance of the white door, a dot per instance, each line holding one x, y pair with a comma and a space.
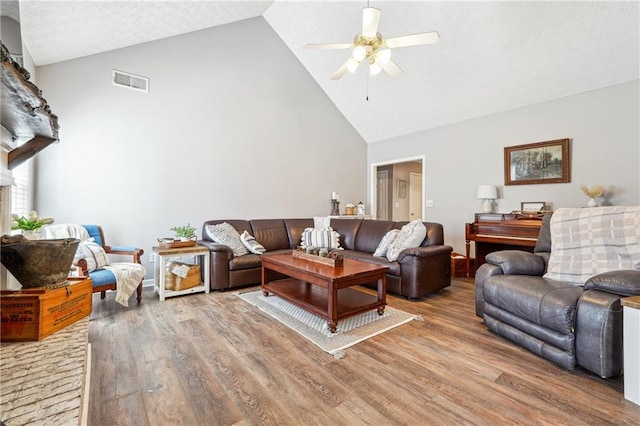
415, 196
382, 195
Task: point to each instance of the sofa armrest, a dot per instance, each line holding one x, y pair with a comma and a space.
428, 251
517, 262
217, 247
624, 282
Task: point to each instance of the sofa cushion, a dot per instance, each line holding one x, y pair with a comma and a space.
411, 235
394, 267
251, 244
271, 233
295, 228
320, 238
348, 229
549, 303
370, 233
383, 246
245, 262
226, 234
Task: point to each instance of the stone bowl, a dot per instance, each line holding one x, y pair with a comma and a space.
38, 263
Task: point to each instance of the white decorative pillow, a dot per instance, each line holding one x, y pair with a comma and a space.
411, 235
251, 244
93, 253
320, 238
385, 242
225, 233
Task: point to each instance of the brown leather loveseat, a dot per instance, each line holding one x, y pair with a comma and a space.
417, 272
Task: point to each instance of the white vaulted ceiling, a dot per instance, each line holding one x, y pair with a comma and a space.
491, 57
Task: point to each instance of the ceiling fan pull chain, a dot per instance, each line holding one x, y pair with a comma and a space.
368, 78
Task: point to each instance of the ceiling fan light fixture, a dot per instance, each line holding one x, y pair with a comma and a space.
359, 53
374, 69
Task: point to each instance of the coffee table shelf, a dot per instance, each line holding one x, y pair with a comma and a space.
325, 290
315, 299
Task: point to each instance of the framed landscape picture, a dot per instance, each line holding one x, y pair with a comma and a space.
540, 162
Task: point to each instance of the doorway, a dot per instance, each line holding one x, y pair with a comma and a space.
397, 191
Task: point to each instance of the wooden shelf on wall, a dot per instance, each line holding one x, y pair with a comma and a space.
24, 112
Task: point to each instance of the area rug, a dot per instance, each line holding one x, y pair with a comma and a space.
350, 331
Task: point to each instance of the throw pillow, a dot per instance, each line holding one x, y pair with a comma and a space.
385, 242
225, 233
251, 244
320, 238
411, 235
93, 253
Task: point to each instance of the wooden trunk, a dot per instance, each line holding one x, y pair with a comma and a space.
33, 314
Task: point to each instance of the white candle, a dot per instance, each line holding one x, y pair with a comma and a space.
337, 197
333, 195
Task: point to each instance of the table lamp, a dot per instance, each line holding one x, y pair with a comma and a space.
488, 193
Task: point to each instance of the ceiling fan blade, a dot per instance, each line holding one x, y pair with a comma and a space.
370, 19
391, 68
340, 72
327, 46
413, 40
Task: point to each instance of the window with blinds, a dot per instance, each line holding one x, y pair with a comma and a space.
21, 191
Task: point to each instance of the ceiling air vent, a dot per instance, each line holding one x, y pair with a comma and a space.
130, 81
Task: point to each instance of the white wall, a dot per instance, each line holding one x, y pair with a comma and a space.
233, 127
603, 126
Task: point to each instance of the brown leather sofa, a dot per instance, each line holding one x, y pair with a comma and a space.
417, 272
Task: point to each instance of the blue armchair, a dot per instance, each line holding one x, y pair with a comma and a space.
103, 279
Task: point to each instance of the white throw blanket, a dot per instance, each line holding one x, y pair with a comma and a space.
64, 230
128, 277
589, 241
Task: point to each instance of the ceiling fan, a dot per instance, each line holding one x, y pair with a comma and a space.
371, 47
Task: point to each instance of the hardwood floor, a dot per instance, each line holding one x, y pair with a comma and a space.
208, 359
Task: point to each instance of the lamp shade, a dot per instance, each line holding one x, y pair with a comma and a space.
487, 192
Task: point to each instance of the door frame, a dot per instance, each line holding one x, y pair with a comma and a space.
373, 180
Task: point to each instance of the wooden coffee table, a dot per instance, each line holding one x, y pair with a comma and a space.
324, 290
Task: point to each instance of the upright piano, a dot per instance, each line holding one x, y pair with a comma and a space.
501, 231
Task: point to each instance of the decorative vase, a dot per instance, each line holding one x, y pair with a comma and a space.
31, 234
592, 203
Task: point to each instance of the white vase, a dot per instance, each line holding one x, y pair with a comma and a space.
592, 203
33, 234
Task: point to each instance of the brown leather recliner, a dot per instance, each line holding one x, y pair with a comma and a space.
566, 324
417, 272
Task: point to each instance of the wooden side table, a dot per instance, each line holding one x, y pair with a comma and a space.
158, 271
631, 339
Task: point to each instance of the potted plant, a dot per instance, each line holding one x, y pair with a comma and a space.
30, 224
184, 233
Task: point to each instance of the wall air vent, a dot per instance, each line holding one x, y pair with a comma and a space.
130, 81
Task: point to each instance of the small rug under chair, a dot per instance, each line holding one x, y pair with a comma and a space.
350, 330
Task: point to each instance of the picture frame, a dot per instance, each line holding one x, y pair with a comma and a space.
533, 206
536, 163
402, 188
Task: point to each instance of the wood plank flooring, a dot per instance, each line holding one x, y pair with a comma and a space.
213, 359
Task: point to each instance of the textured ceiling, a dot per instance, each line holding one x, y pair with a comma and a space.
491, 57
